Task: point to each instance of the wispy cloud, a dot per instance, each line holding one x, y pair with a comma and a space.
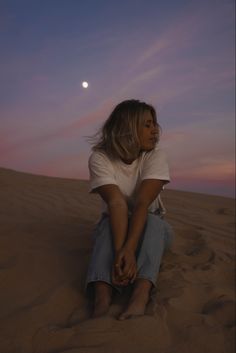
68, 130
195, 153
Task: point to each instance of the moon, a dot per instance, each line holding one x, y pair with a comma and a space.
85, 84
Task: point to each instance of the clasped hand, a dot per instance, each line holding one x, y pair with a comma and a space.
124, 268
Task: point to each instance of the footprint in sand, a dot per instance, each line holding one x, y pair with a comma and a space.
222, 309
191, 248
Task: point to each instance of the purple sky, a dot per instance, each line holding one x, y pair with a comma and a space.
176, 55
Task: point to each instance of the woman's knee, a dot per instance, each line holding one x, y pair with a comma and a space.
153, 234
102, 228
154, 223
159, 226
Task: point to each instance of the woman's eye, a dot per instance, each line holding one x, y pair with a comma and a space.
147, 125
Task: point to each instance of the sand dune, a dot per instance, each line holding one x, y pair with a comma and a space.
45, 244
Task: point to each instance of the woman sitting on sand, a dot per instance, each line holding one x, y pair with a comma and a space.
128, 171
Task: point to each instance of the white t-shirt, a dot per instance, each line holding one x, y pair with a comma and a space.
128, 177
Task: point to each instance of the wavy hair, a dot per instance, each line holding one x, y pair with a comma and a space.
119, 135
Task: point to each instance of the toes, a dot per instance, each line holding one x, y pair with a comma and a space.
125, 316
129, 315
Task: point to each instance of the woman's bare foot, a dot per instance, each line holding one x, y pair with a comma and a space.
139, 299
103, 293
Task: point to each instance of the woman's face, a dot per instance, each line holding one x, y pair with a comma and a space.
148, 133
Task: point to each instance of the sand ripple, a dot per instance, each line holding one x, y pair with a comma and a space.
45, 244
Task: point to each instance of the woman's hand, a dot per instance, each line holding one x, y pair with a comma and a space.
124, 267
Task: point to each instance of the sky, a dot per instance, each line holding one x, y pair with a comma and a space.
176, 55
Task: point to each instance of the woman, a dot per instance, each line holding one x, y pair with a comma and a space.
128, 171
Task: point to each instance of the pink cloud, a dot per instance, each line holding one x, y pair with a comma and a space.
68, 130
216, 170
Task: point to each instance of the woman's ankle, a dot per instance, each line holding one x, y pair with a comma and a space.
102, 300
102, 288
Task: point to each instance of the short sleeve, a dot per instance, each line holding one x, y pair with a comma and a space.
155, 166
101, 170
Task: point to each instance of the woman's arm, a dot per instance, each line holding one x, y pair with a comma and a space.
147, 193
118, 213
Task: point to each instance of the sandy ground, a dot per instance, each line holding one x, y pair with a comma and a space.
45, 244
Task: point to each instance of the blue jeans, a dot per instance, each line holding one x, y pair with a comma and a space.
156, 238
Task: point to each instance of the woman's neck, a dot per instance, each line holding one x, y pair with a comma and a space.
131, 160
128, 161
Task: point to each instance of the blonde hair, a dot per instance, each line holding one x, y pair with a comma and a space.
119, 135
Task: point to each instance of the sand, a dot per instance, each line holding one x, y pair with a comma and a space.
45, 244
